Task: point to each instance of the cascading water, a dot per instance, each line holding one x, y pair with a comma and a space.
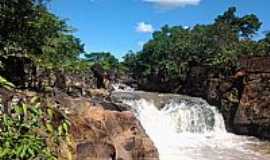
191, 130
122, 87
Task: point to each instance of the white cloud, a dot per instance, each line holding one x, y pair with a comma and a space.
174, 3
144, 27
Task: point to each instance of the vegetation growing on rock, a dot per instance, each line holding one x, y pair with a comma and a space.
31, 131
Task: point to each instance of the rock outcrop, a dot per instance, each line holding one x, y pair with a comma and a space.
243, 98
253, 114
99, 134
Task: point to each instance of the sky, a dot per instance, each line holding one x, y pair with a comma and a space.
118, 26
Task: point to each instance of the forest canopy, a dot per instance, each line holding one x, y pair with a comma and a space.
173, 50
28, 29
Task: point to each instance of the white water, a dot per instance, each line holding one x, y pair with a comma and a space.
190, 131
119, 87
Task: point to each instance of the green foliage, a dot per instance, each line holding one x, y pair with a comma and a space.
6, 84
172, 51
60, 52
77, 66
17, 27
264, 45
59, 47
28, 29
24, 134
105, 59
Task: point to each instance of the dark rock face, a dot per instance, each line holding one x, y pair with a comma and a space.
256, 64
196, 82
243, 98
217, 89
22, 72
60, 82
253, 114
17, 70
99, 74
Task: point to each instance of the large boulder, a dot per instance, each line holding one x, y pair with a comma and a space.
99, 134
101, 130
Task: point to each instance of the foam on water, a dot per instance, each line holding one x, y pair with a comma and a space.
190, 131
119, 87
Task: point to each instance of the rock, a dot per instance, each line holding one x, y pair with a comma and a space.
97, 92
102, 130
95, 150
102, 134
128, 80
60, 82
6, 98
17, 69
99, 72
256, 64
253, 114
77, 84
196, 82
109, 105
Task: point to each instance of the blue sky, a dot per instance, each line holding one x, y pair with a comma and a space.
121, 25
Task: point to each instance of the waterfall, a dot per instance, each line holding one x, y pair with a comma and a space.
190, 130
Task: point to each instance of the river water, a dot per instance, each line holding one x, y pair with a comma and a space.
186, 128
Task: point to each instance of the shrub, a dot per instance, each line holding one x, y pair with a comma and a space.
25, 133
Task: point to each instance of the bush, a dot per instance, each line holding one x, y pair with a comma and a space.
25, 133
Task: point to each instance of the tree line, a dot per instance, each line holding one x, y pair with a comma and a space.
29, 29
173, 50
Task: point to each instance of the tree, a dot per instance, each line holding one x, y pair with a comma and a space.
17, 25
170, 54
264, 45
28, 29
105, 59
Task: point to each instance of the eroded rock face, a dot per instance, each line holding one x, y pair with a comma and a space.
253, 114
100, 134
